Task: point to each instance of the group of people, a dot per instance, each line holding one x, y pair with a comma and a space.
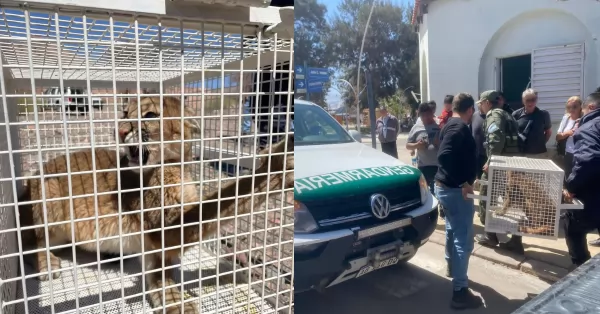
454, 149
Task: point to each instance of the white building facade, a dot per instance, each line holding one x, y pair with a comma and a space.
476, 45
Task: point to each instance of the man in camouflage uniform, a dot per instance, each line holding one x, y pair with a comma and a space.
501, 138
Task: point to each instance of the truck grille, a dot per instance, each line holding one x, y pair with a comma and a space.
355, 210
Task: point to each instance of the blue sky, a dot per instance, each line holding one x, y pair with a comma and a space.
333, 97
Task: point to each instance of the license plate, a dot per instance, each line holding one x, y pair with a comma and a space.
385, 263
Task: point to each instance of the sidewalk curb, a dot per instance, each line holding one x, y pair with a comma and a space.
527, 265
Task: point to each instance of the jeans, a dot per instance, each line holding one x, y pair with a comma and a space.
459, 233
429, 174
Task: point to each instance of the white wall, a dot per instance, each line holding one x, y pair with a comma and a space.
462, 38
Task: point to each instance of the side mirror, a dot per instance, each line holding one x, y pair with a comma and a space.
357, 136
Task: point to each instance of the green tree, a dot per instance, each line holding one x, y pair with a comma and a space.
390, 52
310, 30
397, 104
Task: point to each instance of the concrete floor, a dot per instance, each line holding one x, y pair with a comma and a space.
421, 287
403, 153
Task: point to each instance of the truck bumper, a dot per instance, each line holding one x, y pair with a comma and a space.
322, 260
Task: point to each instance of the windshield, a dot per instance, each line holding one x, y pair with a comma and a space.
314, 126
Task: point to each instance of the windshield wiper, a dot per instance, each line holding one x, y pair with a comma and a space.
320, 142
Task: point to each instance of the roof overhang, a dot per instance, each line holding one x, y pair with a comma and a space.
419, 10
156, 53
145, 6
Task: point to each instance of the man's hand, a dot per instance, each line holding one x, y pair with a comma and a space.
568, 133
485, 167
421, 144
466, 190
567, 196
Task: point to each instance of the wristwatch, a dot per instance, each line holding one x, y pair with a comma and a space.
463, 184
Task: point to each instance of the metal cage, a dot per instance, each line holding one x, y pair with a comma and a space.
524, 197
68, 75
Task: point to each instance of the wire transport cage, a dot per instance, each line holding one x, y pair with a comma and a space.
145, 163
524, 197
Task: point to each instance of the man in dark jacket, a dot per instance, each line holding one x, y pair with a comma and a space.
582, 182
479, 133
501, 139
388, 128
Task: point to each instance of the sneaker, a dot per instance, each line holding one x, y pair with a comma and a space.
595, 242
487, 239
465, 299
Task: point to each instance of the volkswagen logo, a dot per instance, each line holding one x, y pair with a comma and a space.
380, 206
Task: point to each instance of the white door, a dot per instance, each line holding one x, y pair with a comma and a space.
557, 74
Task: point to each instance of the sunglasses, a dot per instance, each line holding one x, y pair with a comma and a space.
531, 100
571, 107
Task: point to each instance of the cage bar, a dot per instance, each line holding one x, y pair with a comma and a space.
69, 76
524, 197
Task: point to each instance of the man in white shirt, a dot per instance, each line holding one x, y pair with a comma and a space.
433, 105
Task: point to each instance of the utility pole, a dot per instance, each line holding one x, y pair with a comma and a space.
372, 118
306, 80
362, 46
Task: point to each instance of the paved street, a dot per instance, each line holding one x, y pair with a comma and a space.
403, 154
421, 287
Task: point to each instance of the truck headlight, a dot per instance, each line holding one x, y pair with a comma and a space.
303, 219
424, 188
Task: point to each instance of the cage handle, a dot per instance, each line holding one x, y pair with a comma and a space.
478, 197
575, 204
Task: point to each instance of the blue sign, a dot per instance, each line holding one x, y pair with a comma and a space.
318, 74
300, 86
315, 86
299, 72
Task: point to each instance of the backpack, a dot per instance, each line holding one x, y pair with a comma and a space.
511, 130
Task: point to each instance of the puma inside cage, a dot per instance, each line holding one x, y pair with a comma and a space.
524, 197
146, 156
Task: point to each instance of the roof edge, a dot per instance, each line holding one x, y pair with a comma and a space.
419, 10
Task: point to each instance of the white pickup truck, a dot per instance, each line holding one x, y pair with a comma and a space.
356, 209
